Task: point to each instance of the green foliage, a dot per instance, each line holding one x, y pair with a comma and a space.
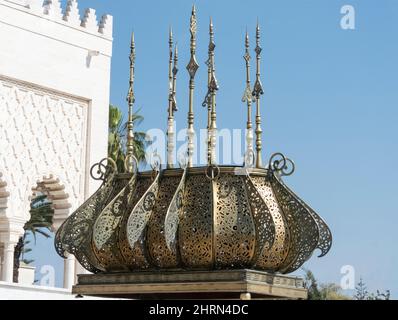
311, 285
117, 138
362, 293
40, 222
116, 149
332, 291
41, 217
329, 291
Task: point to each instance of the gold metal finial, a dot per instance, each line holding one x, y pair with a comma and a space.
175, 71
192, 67
172, 105
248, 98
210, 100
131, 100
170, 55
170, 109
257, 92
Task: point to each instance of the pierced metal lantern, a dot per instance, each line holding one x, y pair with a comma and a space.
206, 218
195, 218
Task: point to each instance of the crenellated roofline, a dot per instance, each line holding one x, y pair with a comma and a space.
66, 13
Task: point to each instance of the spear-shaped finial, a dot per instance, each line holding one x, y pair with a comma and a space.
207, 100
192, 67
248, 98
257, 92
131, 100
175, 71
210, 100
170, 60
170, 119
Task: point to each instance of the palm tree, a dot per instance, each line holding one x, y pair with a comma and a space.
40, 222
117, 138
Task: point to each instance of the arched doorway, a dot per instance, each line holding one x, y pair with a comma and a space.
39, 225
50, 200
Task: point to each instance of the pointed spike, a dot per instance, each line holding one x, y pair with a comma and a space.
257, 32
170, 40
131, 100
170, 68
130, 97
192, 67
175, 71
132, 40
257, 92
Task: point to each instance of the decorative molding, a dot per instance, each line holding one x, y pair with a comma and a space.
55, 192
41, 134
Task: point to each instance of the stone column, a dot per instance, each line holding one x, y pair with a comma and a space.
8, 262
69, 271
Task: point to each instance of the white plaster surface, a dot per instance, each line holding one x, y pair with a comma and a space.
54, 97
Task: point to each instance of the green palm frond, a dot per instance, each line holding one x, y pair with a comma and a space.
117, 138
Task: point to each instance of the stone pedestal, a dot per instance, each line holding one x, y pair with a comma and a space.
225, 284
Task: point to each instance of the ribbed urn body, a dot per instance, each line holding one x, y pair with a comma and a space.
197, 218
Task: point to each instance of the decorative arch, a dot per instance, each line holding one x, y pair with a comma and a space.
55, 191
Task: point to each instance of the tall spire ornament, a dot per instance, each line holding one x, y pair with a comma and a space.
248, 98
210, 101
192, 67
131, 101
257, 93
172, 102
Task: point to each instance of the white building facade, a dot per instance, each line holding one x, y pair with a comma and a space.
54, 97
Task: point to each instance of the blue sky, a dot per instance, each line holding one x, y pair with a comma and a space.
330, 104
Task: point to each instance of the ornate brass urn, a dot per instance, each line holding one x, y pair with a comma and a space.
195, 218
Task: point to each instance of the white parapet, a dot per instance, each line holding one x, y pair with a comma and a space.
106, 25
90, 20
52, 9
72, 14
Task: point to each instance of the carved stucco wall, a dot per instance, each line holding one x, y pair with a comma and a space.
55, 62
54, 96
43, 133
